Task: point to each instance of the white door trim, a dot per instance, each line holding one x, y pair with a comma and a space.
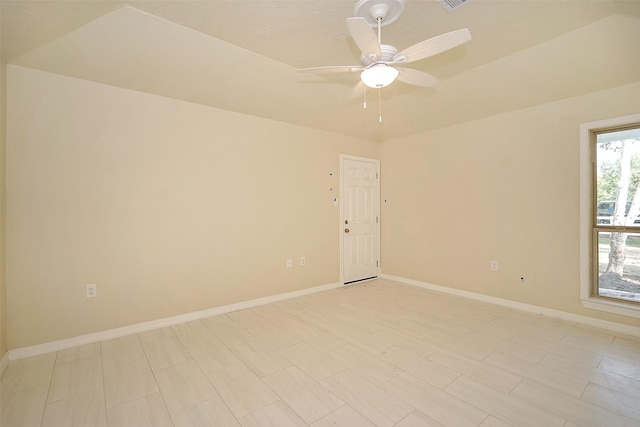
376, 162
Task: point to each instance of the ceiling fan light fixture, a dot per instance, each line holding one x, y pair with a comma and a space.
379, 76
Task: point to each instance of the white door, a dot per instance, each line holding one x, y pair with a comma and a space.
360, 218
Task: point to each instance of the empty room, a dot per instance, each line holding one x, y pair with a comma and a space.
319, 213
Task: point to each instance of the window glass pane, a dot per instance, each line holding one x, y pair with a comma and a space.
617, 177
618, 204
619, 271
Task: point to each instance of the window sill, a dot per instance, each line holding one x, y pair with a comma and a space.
602, 304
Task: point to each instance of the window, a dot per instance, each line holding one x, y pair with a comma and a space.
610, 215
616, 226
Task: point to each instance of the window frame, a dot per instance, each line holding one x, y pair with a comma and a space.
588, 223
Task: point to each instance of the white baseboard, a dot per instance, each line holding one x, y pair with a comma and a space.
4, 362
52, 346
21, 353
585, 320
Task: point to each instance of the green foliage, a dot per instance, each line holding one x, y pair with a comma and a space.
607, 185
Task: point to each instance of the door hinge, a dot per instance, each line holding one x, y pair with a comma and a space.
377, 264
376, 175
376, 220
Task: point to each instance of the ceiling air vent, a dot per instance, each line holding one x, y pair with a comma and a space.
451, 5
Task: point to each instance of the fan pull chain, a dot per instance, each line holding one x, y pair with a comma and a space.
379, 105
364, 96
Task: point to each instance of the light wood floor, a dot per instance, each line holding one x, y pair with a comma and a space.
378, 353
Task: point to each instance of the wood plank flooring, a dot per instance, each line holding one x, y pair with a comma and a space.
378, 353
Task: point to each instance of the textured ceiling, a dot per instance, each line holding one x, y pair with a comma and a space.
242, 55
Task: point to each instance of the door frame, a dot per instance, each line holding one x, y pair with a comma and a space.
376, 162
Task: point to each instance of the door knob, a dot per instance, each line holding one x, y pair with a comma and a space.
346, 230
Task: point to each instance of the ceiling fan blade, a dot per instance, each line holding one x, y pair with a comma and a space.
416, 77
331, 69
364, 36
433, 46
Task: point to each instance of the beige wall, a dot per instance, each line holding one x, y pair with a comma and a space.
172, 207
3, 300
169, 207
504, 188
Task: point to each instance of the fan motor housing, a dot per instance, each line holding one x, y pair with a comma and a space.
387, 52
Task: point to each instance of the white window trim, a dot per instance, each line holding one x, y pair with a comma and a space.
589, 301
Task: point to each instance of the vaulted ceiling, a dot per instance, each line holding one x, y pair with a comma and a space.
242, 55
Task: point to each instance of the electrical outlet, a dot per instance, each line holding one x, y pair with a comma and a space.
289, 262
303, 260
91, 290
494, 265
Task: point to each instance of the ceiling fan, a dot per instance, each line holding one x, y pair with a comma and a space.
379, 61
